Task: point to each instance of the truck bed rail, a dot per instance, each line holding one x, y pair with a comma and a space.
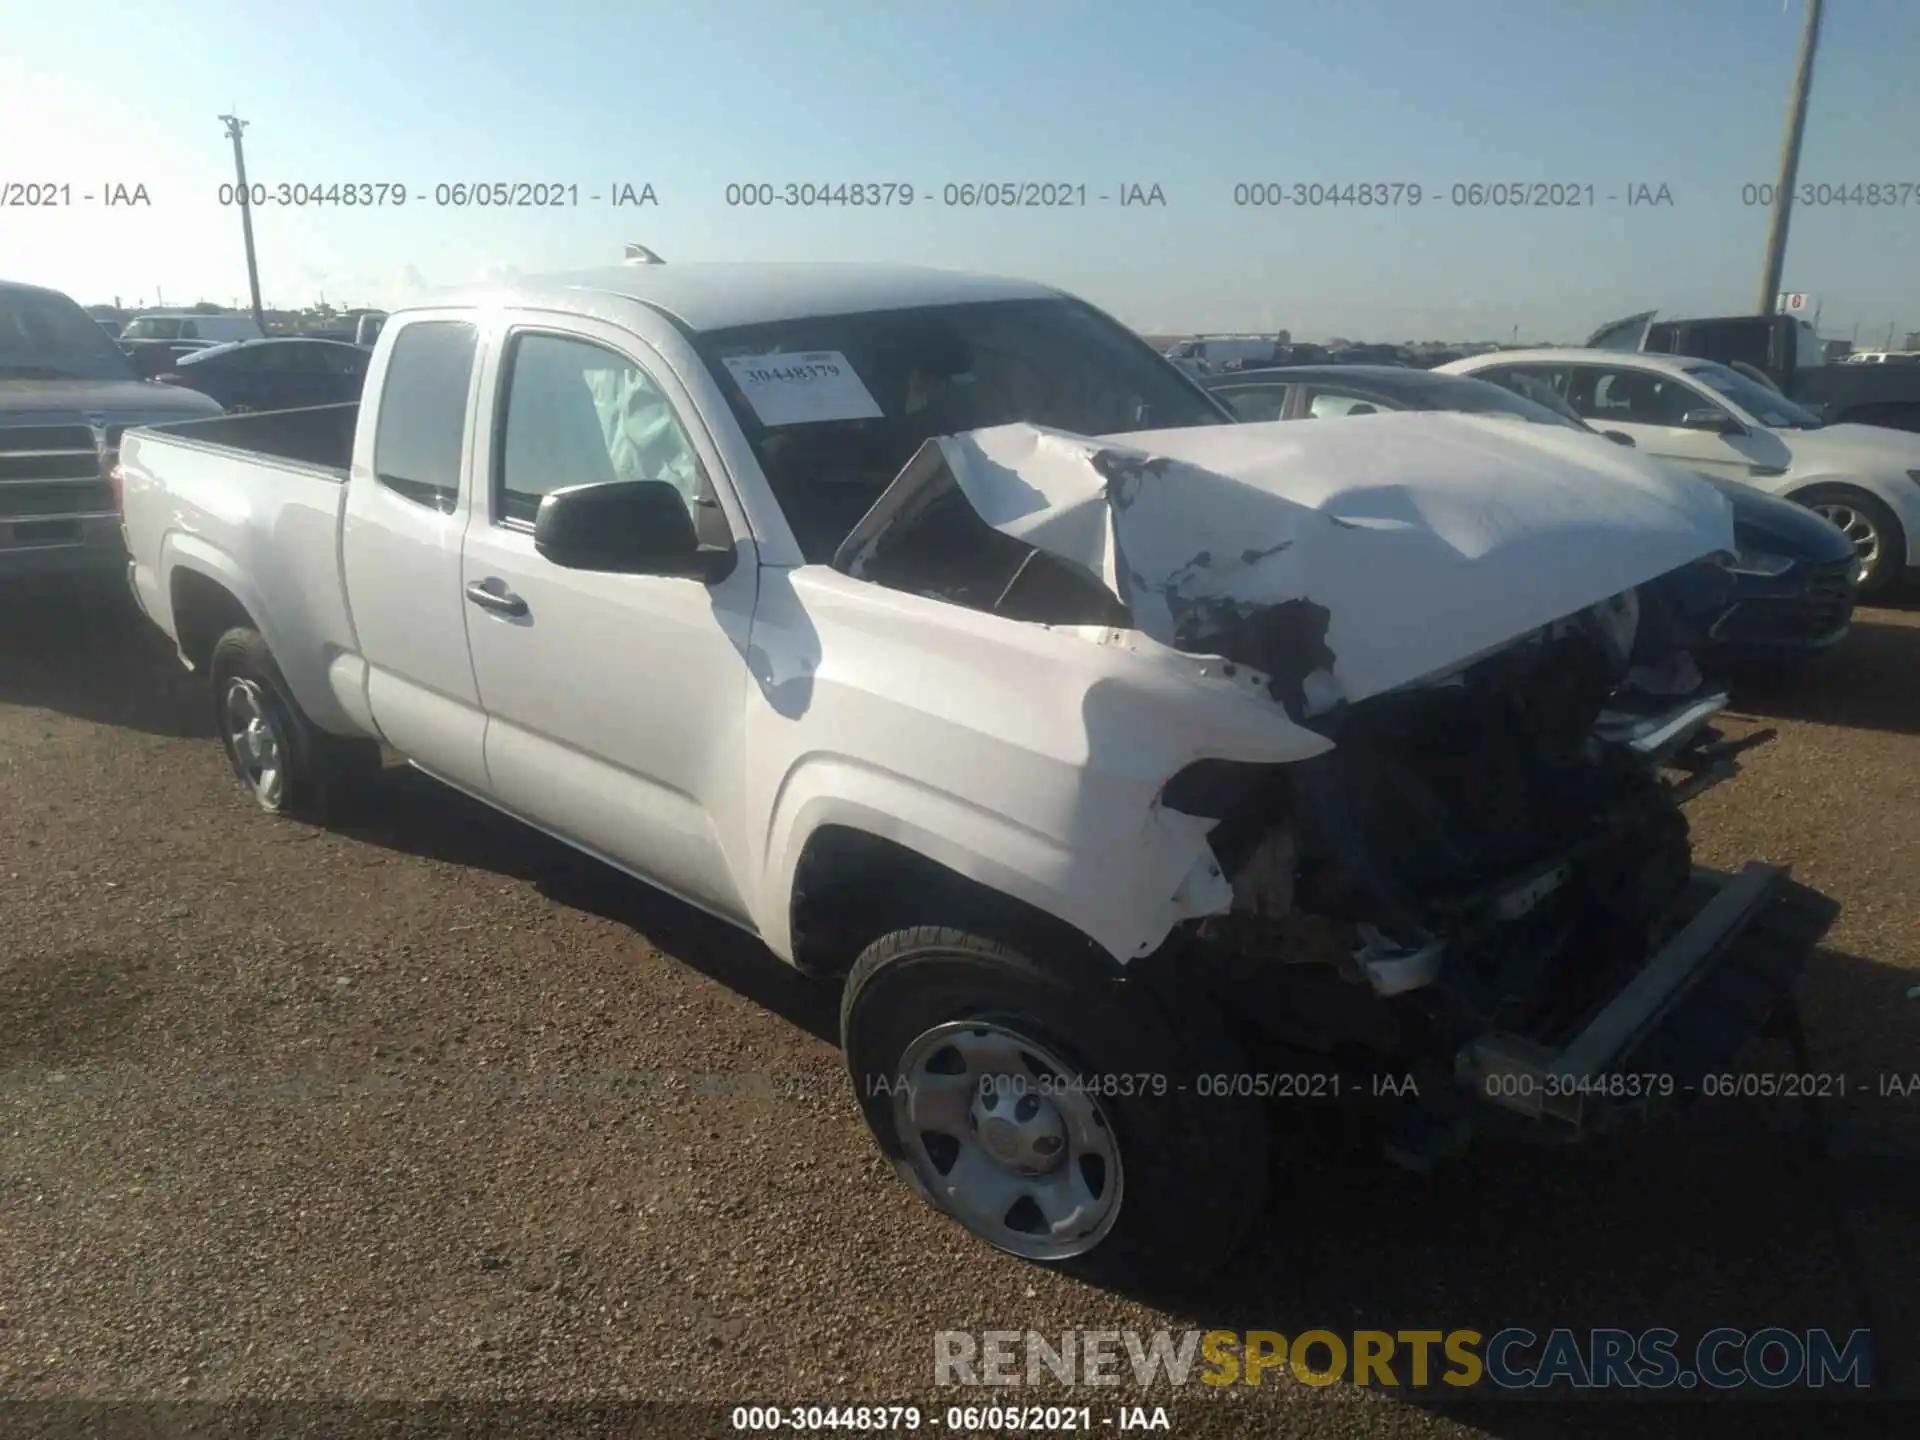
319, 438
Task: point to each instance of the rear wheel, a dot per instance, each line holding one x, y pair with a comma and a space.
1058, 1118
1872, 527
287, 763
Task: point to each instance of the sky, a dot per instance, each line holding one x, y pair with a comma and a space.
1193, 97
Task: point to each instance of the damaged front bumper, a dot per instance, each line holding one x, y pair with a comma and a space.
1727, 972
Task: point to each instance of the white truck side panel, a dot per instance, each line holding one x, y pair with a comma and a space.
264, 530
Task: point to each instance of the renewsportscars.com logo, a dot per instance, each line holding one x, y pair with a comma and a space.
1509, 1359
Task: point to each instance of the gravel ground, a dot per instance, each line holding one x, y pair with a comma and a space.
291, 1113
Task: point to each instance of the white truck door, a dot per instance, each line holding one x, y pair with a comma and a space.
407, 504
615, 703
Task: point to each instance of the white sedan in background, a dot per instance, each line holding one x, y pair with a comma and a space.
1864, 478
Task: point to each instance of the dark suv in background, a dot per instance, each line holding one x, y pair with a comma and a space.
66, 393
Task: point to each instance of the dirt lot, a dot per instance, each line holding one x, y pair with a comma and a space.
288, 1112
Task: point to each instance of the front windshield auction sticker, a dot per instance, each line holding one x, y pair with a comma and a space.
802, 389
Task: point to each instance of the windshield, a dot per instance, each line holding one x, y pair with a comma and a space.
836, 405
46, 336
1769, 407
152, 327
1483, 397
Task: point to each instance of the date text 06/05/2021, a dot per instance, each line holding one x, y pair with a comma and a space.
445, 194
1627, 1086
954, 194
962, 1419
1458, 194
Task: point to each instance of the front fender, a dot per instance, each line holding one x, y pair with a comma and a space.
1125, 897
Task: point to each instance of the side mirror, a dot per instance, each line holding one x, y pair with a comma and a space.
625, 527
1713, 422
1620, 437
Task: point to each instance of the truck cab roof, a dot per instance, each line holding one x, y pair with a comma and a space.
719, 295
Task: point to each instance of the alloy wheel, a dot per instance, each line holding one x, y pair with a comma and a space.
1858, 528
255, 742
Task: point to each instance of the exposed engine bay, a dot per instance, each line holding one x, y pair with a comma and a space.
1490, 866
1505, 833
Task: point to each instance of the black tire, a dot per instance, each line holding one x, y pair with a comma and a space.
318, 772
1889, 563
1192, 1167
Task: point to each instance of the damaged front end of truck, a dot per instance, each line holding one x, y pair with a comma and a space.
1484, 884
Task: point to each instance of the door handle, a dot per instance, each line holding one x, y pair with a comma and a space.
501, 602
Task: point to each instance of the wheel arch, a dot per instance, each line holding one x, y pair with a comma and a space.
208, 593
204, 607
851, 884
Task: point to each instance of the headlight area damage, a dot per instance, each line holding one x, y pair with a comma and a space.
1486, 881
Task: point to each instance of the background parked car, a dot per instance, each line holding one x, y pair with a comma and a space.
66, 394
274, 374
1792, 579
1788, 354
155, 339
1864, 478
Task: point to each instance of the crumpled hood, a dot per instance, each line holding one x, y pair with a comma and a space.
1342, 559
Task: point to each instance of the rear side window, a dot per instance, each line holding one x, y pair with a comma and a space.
423, 412
1256, 403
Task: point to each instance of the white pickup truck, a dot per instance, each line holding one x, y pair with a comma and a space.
1128, 766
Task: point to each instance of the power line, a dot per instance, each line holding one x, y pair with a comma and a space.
234, 126
1769, 299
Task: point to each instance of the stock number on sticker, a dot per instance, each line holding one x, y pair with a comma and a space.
1873, 195
1271, 194
1144, 1083
826, 1417
358, 194
865, 194
790, 374
1613, 1086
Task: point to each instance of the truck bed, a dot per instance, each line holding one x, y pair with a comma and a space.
317, 439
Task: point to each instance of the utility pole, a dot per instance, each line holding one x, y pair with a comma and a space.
1789, 162
234, 126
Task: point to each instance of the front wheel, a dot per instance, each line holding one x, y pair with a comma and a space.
1056, 1118
1872, 527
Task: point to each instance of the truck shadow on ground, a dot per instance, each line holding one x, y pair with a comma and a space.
1734, 1212
1722, 1215
89, 654
409, 812
1866, 682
